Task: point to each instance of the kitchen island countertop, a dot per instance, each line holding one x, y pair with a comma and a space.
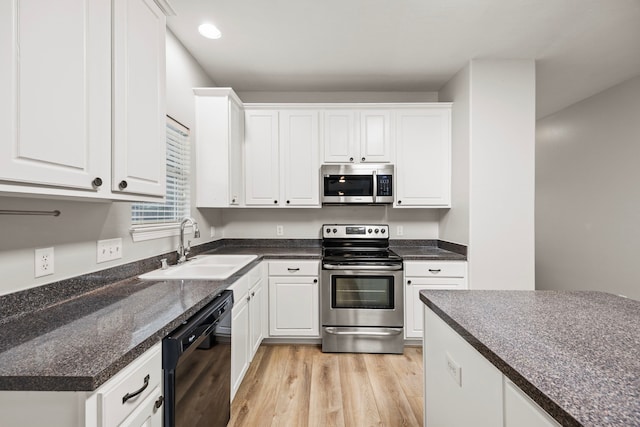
574, 353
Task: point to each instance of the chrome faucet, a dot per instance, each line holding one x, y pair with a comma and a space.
182, 251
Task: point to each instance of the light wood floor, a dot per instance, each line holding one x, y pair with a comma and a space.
298, 385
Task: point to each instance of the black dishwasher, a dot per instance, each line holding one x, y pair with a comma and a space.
196, 359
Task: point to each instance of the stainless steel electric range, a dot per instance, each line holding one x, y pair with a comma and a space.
361, 295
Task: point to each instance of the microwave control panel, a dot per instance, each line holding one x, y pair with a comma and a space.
385, 185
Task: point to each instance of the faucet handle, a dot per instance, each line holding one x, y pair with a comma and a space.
188, 248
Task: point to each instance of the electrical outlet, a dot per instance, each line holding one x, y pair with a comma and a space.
43, 262
213, 231
279, 230
454, 370
108, 250
400, 231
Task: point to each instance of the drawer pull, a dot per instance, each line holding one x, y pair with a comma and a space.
434, 270
137, 392
293, 270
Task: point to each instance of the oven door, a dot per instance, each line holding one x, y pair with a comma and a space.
361, 296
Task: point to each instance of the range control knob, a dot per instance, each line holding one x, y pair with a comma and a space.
369, 230
335, 230
377, 231
383, 231
328, 230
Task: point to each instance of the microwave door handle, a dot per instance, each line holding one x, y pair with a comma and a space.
375, 186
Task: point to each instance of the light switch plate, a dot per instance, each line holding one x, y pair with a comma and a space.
108, 250
454, 370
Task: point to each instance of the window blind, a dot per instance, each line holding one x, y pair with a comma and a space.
178, 197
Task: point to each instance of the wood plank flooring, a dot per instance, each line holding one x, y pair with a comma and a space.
298, 385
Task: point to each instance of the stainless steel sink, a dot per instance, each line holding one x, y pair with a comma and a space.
203, 267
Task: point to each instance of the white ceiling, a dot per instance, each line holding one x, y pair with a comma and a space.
580, 46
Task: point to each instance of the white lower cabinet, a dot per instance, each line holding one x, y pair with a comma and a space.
104, 407
462, 388
248, 322
421, 275
294, 307
521, 411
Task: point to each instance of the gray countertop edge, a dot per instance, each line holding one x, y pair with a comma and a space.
551, 407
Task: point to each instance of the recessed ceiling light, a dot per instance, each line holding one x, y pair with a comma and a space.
209, 31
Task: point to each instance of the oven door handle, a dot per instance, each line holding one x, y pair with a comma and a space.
362, 267
380, 332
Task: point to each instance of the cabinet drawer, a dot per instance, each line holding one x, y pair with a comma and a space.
240, 287
111, 407
435, 268
256, 274
293, 268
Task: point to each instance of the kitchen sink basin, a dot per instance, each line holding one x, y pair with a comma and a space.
204, 267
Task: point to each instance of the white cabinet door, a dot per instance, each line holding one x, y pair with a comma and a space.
294, 306
339, 136
521, 411
423, 157
55, 82
299, 142
262, 170
375, 136
462, 388
139, 138
239, 342
256, 317
413, 305
219, 134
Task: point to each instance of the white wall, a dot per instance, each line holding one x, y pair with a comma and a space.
454, 225
587, 194
74, 234
502, 175
306, 223
493, 171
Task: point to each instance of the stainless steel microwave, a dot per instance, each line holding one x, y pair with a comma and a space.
356, 184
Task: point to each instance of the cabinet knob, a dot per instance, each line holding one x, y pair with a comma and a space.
288, 202
275, 202
233, 200
123, 184
408, 282
399, 202
315, 280
363, 159
351, 159
253, 294
159, 402
248, 299
97, 182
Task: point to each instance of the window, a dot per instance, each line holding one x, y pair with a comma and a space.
155, 220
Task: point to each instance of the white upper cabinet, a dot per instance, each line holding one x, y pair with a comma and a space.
375, 136
72, 71
423, 157
139, 66
300, 167
357, 136
55, 93
262, 169
281, 157
219, 136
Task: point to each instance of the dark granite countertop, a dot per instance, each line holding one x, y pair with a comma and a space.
428, 250
77, 333
576, 354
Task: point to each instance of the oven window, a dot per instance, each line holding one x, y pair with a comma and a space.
348, 185
375, 292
